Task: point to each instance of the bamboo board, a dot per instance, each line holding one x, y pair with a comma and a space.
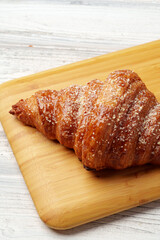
64, 193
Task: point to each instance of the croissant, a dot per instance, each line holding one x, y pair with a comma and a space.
110, 124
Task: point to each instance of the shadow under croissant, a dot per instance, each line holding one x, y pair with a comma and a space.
135, 171
88, 168
132, 171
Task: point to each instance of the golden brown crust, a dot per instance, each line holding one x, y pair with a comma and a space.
111, 124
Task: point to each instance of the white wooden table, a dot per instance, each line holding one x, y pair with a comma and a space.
38, 35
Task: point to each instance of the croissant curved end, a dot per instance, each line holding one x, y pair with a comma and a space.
20, 110
13, 111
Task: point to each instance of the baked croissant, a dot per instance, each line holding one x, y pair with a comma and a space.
111, 124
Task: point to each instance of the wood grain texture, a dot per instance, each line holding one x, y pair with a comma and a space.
24, 23
65, 194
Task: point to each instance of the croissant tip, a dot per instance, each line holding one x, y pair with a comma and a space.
12, 111
16, 109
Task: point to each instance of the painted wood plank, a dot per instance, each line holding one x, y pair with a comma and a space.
17, 59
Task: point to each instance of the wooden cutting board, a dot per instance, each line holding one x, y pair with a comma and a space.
64, 193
